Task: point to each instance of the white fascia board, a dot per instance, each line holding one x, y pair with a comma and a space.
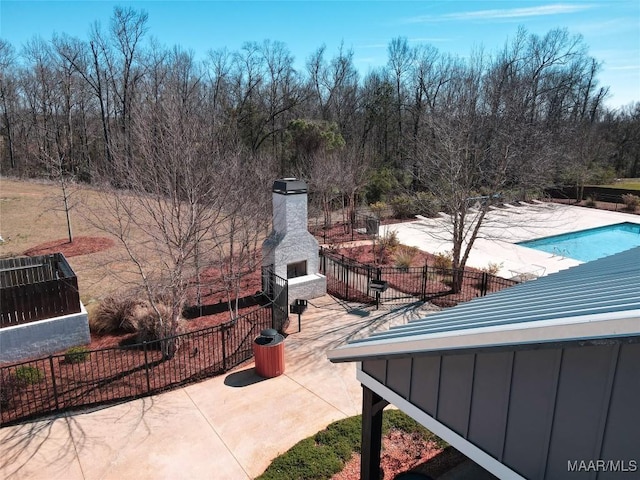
479, 456
602, 325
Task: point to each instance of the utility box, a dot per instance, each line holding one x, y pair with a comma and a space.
268, 350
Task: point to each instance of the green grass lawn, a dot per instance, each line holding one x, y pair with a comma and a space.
324, 454
625, 183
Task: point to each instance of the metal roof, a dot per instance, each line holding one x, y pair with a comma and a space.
598, 299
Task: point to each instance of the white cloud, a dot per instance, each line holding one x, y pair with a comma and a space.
505, 13
626, 67
428, 40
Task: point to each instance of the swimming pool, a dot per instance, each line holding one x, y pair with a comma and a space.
587, 245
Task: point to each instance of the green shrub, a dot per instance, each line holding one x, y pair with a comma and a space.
76, 355
631, 201
426, 204
402, 206
9, 387
323, 455
379, 209
28, 375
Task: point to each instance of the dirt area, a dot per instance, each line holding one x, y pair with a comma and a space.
404, 452
79, 246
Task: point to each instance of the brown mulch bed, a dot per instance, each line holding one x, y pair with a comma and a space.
404, 452
365, 254
437, 285
336, 233
79, 246
121, 370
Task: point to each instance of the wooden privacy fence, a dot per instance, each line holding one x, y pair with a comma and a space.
36, 288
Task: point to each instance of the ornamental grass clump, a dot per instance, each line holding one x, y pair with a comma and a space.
404, 257
631, 201
114, 315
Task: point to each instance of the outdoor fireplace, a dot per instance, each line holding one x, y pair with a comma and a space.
290, 250
297, 269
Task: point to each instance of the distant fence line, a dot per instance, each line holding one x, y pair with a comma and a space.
351, 280
603, 194
361, 226
69, 381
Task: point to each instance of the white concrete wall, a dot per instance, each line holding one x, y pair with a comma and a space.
44, 337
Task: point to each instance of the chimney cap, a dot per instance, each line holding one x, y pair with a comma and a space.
289, 186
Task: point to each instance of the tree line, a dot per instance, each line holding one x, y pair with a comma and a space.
186, 149
78, 103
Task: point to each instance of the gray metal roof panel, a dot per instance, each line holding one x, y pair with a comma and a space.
609, 286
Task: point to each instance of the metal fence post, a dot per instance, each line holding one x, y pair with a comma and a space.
423, 289
224, 350
53, 381
345, 269
146, 365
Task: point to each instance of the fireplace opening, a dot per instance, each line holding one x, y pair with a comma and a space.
297, 269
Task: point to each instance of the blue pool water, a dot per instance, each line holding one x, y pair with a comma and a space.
587, 245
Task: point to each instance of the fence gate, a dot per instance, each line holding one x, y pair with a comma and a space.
347, 279
277, 291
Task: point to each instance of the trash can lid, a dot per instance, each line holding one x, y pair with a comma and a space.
269, 337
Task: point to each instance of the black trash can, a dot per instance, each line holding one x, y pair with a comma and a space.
372, 225
268, 350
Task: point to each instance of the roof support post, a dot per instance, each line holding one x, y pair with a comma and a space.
372, 407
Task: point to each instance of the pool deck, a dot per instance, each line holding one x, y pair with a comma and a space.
503, 227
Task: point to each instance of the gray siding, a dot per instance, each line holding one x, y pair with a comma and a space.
426, 382
533, 389
454, 400
622, 428
490, 401
533, 410
577, 424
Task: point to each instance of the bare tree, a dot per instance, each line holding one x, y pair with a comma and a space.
174, 202
8, 94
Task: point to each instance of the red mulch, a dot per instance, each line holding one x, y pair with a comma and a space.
364, 254
79, 246
337, 233
403, 452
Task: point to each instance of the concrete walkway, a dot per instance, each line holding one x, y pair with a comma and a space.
228, 427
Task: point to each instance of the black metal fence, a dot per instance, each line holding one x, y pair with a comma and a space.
277, 290
351, 280
78, 379
359, 227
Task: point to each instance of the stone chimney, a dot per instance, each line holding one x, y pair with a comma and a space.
290, 249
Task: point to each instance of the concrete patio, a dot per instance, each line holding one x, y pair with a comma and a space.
503, 227
228, 427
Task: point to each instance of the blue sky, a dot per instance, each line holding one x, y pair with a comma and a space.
611, 28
